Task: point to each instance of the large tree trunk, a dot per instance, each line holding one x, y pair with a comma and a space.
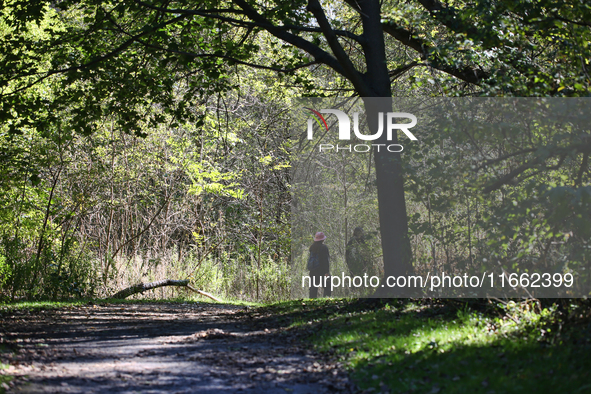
396, 248
390, 181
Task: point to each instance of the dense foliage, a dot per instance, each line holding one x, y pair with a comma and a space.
149, 139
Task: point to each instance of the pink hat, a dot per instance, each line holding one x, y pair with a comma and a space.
319, 237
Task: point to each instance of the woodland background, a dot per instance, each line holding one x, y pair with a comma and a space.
125, 157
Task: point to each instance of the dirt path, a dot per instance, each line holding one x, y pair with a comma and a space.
154, 348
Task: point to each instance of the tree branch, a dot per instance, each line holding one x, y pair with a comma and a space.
95, 61
211, 55
449, 17
143, 231
319, 54
504, 157
582, 23
561, 152
466, 73
350, 72
486, 36
141, 287
584, 167
397, 72
216, 14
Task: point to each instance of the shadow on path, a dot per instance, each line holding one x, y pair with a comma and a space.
154, 348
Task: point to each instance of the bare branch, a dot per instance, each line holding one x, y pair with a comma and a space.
143, 231
504, 157
397, 72
562, 153
580, 23
141, 287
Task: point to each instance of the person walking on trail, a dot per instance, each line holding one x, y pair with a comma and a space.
319, 266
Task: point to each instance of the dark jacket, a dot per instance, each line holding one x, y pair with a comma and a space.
357, 256
322, 251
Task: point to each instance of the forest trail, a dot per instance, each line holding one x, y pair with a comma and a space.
154, 348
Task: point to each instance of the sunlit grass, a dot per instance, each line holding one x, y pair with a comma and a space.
431, 347
47, 305
39, 305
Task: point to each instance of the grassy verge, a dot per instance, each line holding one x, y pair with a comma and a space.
435, 346
49, 305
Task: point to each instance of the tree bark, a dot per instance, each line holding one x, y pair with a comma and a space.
389, 172
391, 202
141, 287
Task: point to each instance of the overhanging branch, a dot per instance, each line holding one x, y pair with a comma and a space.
213, 55
350, 72
217, 14
467, 74
95, 61
319, 54
561, 153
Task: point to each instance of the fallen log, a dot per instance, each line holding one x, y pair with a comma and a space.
141, 287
